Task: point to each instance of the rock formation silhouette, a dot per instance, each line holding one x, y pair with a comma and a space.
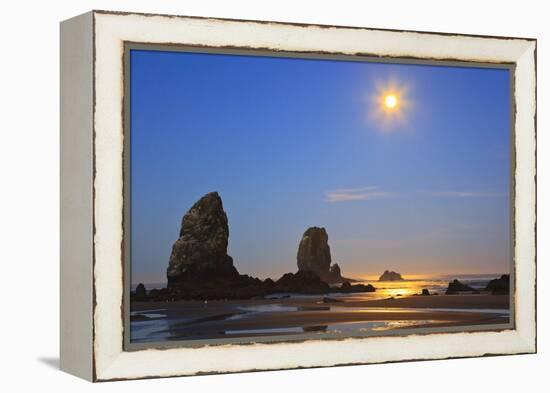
314, 256
200, 253
390, 276
199, 267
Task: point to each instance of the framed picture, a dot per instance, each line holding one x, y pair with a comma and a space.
245, 195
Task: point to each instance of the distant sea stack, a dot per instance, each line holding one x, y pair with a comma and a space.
499, 286
390, 276
455, 287
335, 274
200, 253
140, 292
314, 256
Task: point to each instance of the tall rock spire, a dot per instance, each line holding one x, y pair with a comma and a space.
200, 253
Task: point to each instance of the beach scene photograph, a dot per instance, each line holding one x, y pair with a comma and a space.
277, 198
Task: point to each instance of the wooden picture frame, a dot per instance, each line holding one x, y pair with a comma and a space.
94, 287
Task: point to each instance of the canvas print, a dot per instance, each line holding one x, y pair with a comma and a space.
277, 198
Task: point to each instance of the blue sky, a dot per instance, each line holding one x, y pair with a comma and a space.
292, 143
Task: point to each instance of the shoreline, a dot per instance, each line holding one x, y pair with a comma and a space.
463, 301
366, 279
192, 319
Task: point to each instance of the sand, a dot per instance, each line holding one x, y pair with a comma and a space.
482, 301
215, 319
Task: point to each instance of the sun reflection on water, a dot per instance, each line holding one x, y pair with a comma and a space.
394, 289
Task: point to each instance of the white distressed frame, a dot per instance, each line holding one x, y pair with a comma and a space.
111, 30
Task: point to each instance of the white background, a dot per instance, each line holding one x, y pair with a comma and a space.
29, 196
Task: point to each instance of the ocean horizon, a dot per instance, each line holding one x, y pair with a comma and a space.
408, 286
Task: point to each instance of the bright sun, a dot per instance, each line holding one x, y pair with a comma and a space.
390, 104
390, 101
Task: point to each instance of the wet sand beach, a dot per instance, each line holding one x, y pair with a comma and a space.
190, 320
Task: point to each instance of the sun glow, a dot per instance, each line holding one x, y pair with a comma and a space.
389, 105
390, 101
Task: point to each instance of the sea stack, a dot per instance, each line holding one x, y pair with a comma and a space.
200, 269
200, 253
140, 293
499, 286
314, 256
335, 273
390, 276
455, 287
314, 252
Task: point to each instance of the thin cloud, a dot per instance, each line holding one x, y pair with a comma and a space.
355, 190
465, 194
373, 192
356, 194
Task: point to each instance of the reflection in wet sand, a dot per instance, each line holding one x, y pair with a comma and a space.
294, 316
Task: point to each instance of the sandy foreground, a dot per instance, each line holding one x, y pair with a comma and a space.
245, 318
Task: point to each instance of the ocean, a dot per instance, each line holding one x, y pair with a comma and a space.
385, 289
